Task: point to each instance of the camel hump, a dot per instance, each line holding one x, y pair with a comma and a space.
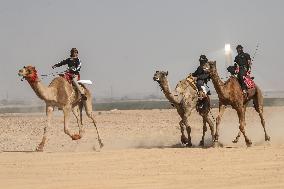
185, 85
59, 81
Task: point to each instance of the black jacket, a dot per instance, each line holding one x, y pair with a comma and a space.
242, 60
74, 65
201, 74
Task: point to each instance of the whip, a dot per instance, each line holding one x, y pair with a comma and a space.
255, 51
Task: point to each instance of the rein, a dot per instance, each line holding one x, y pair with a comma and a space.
51, 74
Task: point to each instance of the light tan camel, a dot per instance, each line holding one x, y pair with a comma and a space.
60, 93
184, 98
230, 93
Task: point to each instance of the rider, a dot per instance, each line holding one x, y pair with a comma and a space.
202, 77
243, 62
74, 66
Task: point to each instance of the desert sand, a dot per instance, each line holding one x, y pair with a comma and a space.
142, 150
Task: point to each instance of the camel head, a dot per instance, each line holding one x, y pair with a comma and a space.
29, 73
210, 67
160, 76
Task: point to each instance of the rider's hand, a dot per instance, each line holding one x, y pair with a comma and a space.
53, 67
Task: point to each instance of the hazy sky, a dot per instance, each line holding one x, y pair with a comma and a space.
122, 42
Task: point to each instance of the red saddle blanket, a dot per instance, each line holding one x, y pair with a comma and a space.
69, 76
249, 82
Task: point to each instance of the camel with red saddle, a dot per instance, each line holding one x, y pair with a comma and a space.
230, 93
60, 93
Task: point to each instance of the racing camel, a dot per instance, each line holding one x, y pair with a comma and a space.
230, 93
60, 93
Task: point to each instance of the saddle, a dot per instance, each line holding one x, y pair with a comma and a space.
249, 81
68, 76
203, 104
191, 81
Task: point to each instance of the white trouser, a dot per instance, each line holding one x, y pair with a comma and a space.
76, 84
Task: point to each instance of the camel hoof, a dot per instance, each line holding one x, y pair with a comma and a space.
76, 137
248, 143
189, 145
235, 141
217, 144
267, 138
39, 149
201, 143
183, 140
101, 143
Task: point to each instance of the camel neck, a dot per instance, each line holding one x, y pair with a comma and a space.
218, 84
41, 90
167, 91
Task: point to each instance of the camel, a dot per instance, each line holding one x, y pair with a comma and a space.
184, 99
60, 93
230, 93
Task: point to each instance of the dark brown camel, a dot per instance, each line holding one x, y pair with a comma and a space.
230, 93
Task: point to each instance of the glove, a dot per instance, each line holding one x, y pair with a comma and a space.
53, 66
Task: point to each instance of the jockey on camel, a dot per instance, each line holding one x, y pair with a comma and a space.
241, 68
74, 66
201, 77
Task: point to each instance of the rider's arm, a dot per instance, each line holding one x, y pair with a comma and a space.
63, 62
195, 74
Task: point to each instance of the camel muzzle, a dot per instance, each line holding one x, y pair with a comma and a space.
156, 79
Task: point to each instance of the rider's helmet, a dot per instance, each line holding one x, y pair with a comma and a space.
239, 47
203, 59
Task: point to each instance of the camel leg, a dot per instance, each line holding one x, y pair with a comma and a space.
267, 137
211, 126
201, 143
49, 110
66, 111
236, 140
241, 115
76, 112
89, 112
183, 138
222, 109
259, 108
81, 115
188, 129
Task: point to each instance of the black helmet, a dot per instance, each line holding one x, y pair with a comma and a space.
239, 47
203, 58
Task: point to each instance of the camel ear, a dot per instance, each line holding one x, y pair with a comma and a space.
167, 73
157, 71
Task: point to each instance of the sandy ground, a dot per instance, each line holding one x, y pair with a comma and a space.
141, 150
